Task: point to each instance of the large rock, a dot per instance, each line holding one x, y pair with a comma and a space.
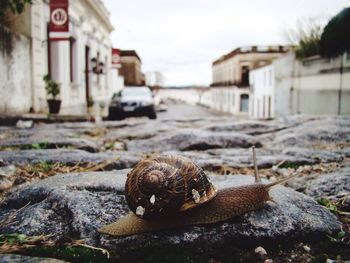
194, 140
266, 157
51, 143
315, 132
74, 206
118, 160
332, 185
248, 127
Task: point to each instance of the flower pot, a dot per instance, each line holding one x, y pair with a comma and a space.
54, 106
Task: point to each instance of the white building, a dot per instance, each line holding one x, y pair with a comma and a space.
69, 60
312, 86
262, 83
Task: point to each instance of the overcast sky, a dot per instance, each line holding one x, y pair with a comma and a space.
181, 38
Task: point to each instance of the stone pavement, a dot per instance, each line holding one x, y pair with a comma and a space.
73, 206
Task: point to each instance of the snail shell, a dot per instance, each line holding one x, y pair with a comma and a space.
166, 184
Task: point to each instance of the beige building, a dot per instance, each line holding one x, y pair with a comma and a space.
233, 69
131, 68
80, 61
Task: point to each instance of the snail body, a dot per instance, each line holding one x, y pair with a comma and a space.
147, 189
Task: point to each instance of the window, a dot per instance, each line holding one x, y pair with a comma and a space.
245, 76
73, 60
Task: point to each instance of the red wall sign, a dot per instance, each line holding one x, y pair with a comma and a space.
115, 56
59, 18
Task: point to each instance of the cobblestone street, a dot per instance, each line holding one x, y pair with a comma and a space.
67, 180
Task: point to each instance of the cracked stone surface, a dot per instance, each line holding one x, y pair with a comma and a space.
336, 184
120, 160
76, 205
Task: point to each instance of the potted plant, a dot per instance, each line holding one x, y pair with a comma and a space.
52, 89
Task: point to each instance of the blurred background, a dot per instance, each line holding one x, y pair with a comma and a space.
251, 59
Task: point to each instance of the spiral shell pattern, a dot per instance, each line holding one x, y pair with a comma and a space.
166, 184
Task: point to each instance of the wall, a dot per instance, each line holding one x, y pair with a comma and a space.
226, 99
283, 68
15, 84
317, 88
262, 83
311, 86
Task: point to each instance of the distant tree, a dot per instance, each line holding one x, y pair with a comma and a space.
335, 39
306, 36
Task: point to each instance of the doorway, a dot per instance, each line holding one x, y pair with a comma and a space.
244, 104
87, 75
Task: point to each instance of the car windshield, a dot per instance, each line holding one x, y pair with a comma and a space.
145, 92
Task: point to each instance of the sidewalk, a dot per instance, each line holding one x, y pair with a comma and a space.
11, 119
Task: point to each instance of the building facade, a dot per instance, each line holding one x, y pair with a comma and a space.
131, 68
80, 62
262, 99
230, 90
314, 86
233, 69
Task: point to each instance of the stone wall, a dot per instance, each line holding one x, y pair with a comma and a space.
312, 86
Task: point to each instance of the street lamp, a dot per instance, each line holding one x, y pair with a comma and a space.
97, 66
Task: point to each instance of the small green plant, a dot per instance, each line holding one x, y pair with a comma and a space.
51, 86
43, 247
339, 237
331, 207
12, 239
35, 146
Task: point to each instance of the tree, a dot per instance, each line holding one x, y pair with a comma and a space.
9, 10
335, 39
306, 36
15, 6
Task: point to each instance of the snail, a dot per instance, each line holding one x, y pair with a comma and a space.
170, 191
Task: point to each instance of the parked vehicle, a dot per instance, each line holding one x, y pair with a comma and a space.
132, 101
